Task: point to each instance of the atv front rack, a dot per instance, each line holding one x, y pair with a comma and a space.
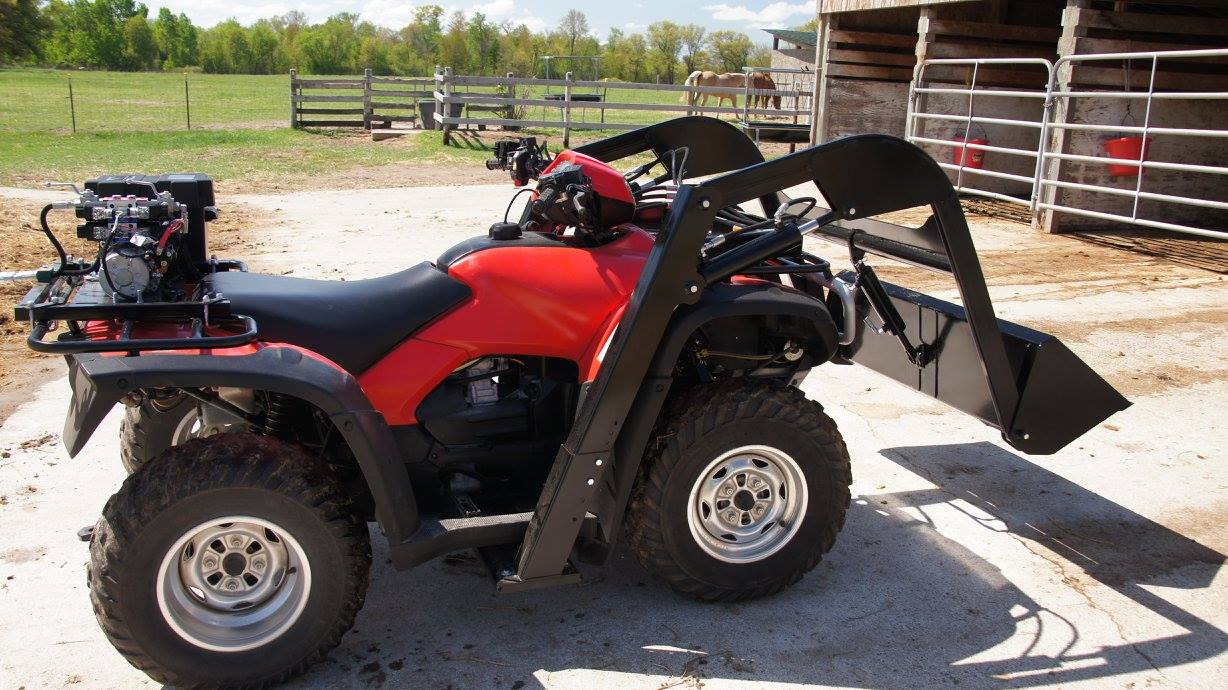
74, 299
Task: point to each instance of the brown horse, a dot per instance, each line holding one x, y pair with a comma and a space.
763, 80
731, 80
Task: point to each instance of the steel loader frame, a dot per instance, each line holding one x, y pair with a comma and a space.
1023, 382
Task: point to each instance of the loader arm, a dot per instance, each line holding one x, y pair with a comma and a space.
1012, 378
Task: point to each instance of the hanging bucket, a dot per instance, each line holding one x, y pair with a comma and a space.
1130, 148
969, 158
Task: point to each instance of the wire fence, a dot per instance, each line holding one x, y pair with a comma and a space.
67, 102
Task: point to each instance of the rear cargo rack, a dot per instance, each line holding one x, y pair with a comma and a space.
75, 299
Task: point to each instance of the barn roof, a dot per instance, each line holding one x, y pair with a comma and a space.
798, 38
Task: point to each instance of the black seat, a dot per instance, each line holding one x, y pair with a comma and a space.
353, 323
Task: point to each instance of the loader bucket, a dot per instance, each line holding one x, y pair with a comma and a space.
1021, 381
1060, 397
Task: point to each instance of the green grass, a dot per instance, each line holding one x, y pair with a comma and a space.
36, 100
234, 157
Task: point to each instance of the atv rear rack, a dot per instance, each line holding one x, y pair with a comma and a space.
77, 299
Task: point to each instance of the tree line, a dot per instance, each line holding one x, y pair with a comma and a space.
121, 35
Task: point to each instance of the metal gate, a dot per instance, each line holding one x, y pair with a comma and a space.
1051, 126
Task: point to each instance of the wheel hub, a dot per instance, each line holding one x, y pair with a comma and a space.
233, 584
747, 504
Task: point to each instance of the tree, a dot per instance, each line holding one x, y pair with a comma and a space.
666, 41
692, 36
176, 39
22, 27
731, 49
454, 45
140, 51
89, 33
483, 40
573, 26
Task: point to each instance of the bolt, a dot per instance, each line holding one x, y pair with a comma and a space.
852, 212
209, 563
705, 203
599, 462
692, 288
232, 585
591, 481
236, 541
731, 516
755, 483
258, 564
759, 510
726, 490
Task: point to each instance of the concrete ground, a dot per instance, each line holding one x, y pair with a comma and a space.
962, 561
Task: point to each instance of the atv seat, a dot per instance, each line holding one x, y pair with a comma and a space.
353, 323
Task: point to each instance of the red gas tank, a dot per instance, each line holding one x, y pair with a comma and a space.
554, 301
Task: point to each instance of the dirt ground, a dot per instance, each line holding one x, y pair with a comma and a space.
962, 562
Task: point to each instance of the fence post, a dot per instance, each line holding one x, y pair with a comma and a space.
72, 106
187, 101
567, 79
442, 109
366, 98
511, 93
293, 105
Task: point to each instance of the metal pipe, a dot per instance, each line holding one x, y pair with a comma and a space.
14, 276
848, 301
979, 120
958, 144
1160, 165
1154, 196
1138, 221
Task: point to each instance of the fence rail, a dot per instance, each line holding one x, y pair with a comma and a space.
1046, 156
371, 103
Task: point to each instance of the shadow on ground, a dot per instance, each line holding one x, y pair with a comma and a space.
896, 604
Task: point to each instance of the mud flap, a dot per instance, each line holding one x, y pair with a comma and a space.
1060, 397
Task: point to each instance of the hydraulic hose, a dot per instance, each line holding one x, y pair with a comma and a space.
59, 249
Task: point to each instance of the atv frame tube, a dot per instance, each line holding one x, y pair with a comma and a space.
860, 177
99, 382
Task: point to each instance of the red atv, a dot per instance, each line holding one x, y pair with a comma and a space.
622, 357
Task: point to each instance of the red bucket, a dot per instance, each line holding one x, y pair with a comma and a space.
1130, 148
970, 158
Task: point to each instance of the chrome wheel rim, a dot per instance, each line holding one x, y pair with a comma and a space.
233, 584
747, 504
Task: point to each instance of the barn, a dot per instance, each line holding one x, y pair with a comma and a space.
1023, 100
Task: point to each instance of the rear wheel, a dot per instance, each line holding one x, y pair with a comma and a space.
162, 421
745, 490
228, 561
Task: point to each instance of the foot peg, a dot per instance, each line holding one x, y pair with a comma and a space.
86, 533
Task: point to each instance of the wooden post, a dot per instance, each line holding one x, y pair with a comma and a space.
442, 109
366, 98
1072, 30
511, 93
820, 112
293, 106
567, 79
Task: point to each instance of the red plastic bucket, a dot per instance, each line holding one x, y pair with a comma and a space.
970, 158
1130, 148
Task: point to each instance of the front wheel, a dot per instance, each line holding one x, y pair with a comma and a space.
230, 561
745, 489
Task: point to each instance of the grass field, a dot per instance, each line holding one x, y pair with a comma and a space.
129, 121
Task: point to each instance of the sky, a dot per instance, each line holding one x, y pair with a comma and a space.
629, 15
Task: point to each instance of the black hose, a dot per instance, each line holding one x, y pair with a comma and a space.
59, 249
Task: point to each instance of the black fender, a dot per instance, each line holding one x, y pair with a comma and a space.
724, 300
99, 382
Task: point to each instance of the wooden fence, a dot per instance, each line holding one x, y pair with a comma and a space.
372, 102
500, 104
369, 102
